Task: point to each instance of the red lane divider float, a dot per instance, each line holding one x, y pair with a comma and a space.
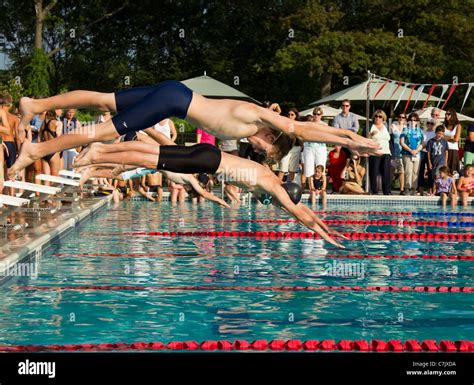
461, 346
303, 234
374, 222
428, 289
199, 255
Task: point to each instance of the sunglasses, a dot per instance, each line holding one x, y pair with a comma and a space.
346, 105
448, 114
319, 114
402, 117
379, 116
413, 120
430, 123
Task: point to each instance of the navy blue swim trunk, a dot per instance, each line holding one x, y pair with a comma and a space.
142, 107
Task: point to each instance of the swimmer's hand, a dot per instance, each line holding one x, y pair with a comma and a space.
324, 235
217, 200
363, 146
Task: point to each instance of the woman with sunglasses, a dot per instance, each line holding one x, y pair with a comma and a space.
380, 165
411, 141
396, 130
314, 153
452, 133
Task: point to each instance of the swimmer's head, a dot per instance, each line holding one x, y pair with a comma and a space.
275, 144
293, 190
203, 178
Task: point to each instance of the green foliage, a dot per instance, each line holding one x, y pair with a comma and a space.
38, 74
146, 42
14, 88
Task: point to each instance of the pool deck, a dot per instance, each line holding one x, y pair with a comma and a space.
43, 228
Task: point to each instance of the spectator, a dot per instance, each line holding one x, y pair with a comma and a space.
70, 124
437, 154
396, 130
314, 153
317, 184
353, 175
466, 184
424, 175
380, 165
290, 163
10, 135
50, 129
469, 146
203, 137
167, 128
411, 141
435, 114
346, 119
35, 168
337, 162
446, 186
452, 133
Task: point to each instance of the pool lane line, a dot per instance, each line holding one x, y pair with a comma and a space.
369, 222
400, 213
429, 289
461, 346
207, 255
460, 237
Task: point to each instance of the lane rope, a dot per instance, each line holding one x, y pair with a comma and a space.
199, 255
461, 346
299, 234
389, 288
403, 213
372, 222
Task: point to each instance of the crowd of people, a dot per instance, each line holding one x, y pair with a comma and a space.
415, 160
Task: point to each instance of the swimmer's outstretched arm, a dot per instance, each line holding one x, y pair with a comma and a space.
190, 179
316, 132
310, 221
258, 177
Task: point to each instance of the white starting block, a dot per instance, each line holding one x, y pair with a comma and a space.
32, 188
57, 179
69, 174
14, 202
70, 186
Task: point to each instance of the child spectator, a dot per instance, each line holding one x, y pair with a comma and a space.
466, 184
445, 185
317, 185
437, 152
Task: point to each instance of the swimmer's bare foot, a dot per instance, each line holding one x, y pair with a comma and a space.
27, 112
27, 156
88, 156
86, 174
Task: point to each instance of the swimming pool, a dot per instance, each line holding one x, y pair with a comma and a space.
244, 280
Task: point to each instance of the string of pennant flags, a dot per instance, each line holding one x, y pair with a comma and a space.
416, 89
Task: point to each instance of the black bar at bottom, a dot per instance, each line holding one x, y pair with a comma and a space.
238, 368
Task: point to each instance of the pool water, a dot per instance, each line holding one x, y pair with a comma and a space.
98, 253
